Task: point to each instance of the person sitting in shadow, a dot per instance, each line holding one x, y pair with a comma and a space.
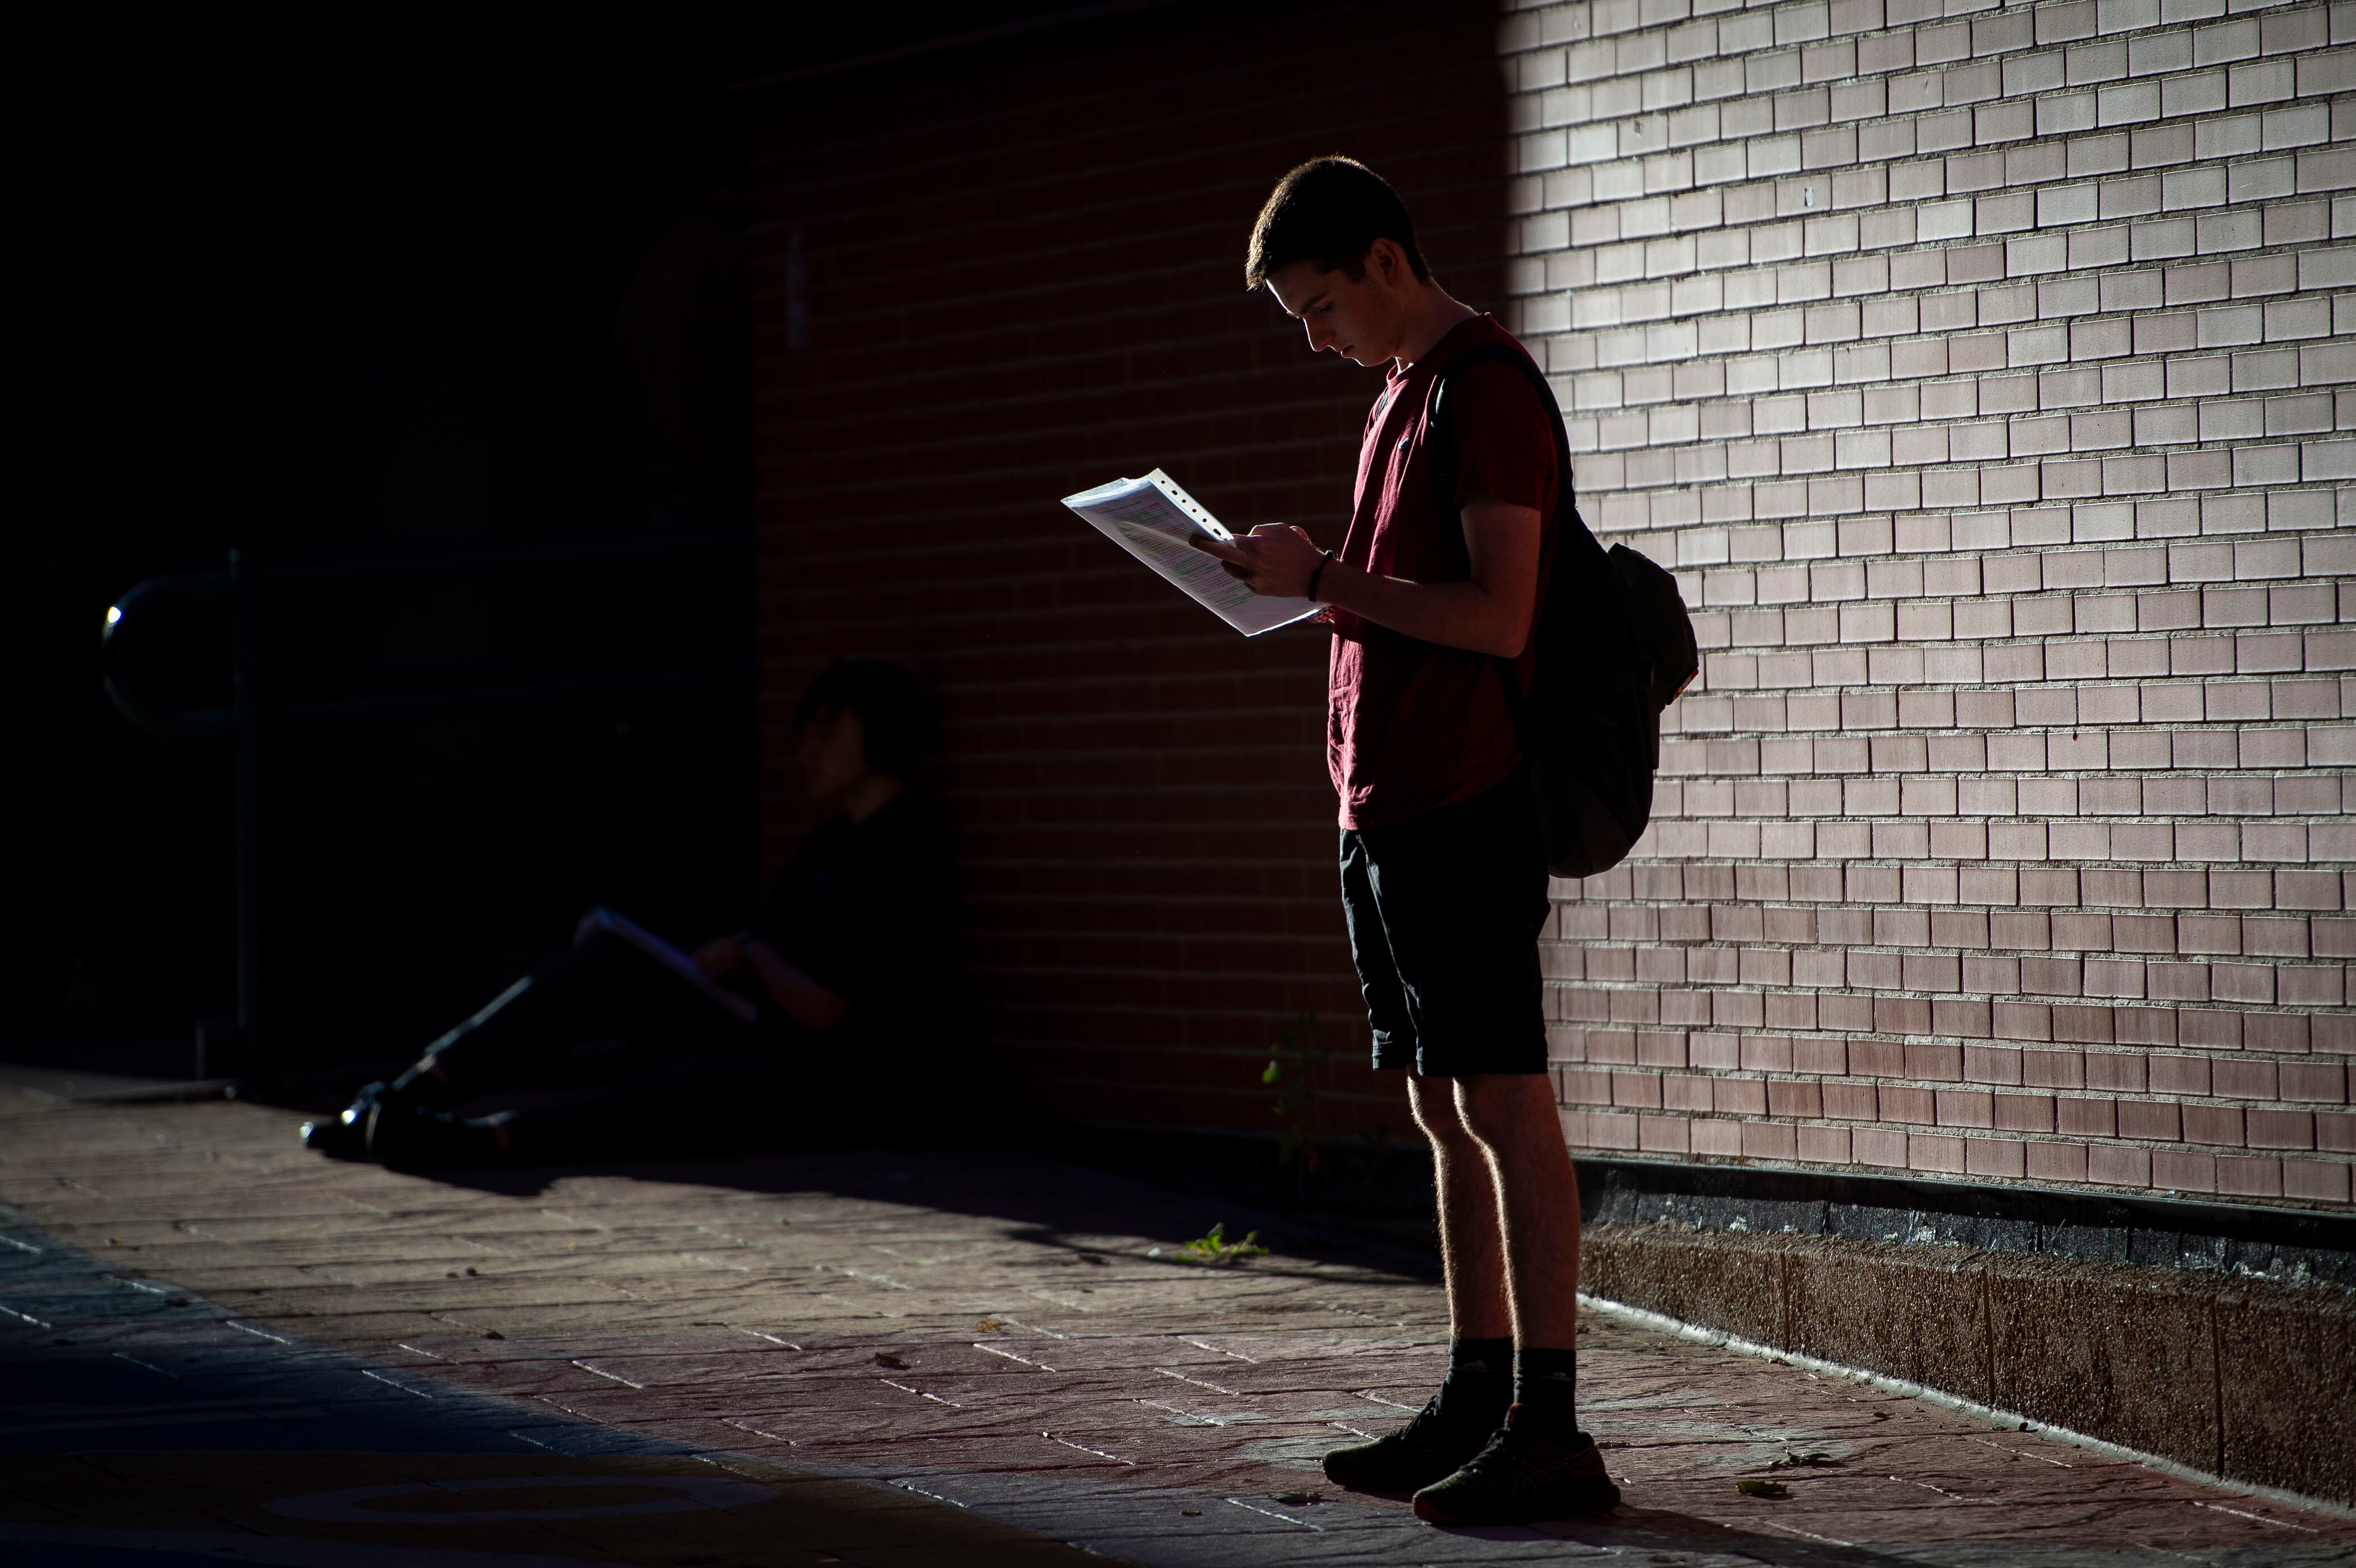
845, 971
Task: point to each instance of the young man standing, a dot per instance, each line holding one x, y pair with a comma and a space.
1432, 596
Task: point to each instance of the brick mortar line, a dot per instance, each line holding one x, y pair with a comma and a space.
1892, 993
1932, 70
1707, 862
1936, 70
1824, 1118
1943, 950
1927, 949
1992, 1042
1950, 378
2163, 118
2275, 1055
2269, 678
2207, 1101
2320, 194
1993, 1416
2010, 597
2075, 733
2212, 1055
2301, 293
1969, 1134
2082, 1185
1989, 9
2041, 368
1617, 206
1897, 817
1919, 292
2075, 454
1865, 341
2043, 863
1948, 1086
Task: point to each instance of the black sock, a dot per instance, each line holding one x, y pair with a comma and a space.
1480, 1383
1545, 1382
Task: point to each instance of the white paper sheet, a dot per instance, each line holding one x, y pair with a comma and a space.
1152, 519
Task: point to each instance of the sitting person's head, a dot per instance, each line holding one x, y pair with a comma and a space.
859, 732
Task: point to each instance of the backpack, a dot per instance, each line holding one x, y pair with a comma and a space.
1615, 647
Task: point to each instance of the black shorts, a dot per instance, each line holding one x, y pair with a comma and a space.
1445, 911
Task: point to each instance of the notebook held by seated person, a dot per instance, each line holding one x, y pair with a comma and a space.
738, 1007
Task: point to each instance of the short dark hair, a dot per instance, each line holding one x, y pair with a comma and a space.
1330, 211
895, 715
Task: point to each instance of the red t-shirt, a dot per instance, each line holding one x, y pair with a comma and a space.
1411, 726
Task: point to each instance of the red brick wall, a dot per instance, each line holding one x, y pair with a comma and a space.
1024, 268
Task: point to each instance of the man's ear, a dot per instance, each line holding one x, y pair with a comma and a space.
1388, 261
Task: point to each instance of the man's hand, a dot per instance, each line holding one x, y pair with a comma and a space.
1276, 559
1489, 612
721, 955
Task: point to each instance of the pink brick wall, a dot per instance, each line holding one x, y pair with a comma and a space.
1989, 376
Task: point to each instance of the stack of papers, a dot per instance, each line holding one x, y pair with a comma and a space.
1152, 519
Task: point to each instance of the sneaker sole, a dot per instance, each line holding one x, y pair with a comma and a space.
334, 1140
1602, 1502
1395, 1485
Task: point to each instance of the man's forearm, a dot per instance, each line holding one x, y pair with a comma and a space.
1488, 612
1454, 614
798, 996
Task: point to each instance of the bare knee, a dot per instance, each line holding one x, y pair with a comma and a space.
1433, 1101
1503, 1110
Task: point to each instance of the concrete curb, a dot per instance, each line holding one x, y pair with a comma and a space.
2010, 1421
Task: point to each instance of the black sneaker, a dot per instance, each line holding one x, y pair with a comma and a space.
1427, 1449
412, 1138
1522, 1477
344, 1136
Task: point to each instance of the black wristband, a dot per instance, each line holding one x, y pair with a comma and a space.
1318, 571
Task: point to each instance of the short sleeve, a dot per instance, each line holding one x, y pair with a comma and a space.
1504, 447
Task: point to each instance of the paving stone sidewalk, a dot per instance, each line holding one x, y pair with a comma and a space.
899, 1356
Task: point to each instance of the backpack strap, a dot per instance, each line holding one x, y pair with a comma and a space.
1573, 540
1437, 442
1579, 558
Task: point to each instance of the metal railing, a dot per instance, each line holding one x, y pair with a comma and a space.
261, 700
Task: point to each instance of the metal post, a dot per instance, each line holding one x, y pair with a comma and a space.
245, 601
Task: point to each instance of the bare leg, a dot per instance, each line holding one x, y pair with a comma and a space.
1514, 1118
1470, 1247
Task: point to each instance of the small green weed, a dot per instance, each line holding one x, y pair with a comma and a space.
1215, 1247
